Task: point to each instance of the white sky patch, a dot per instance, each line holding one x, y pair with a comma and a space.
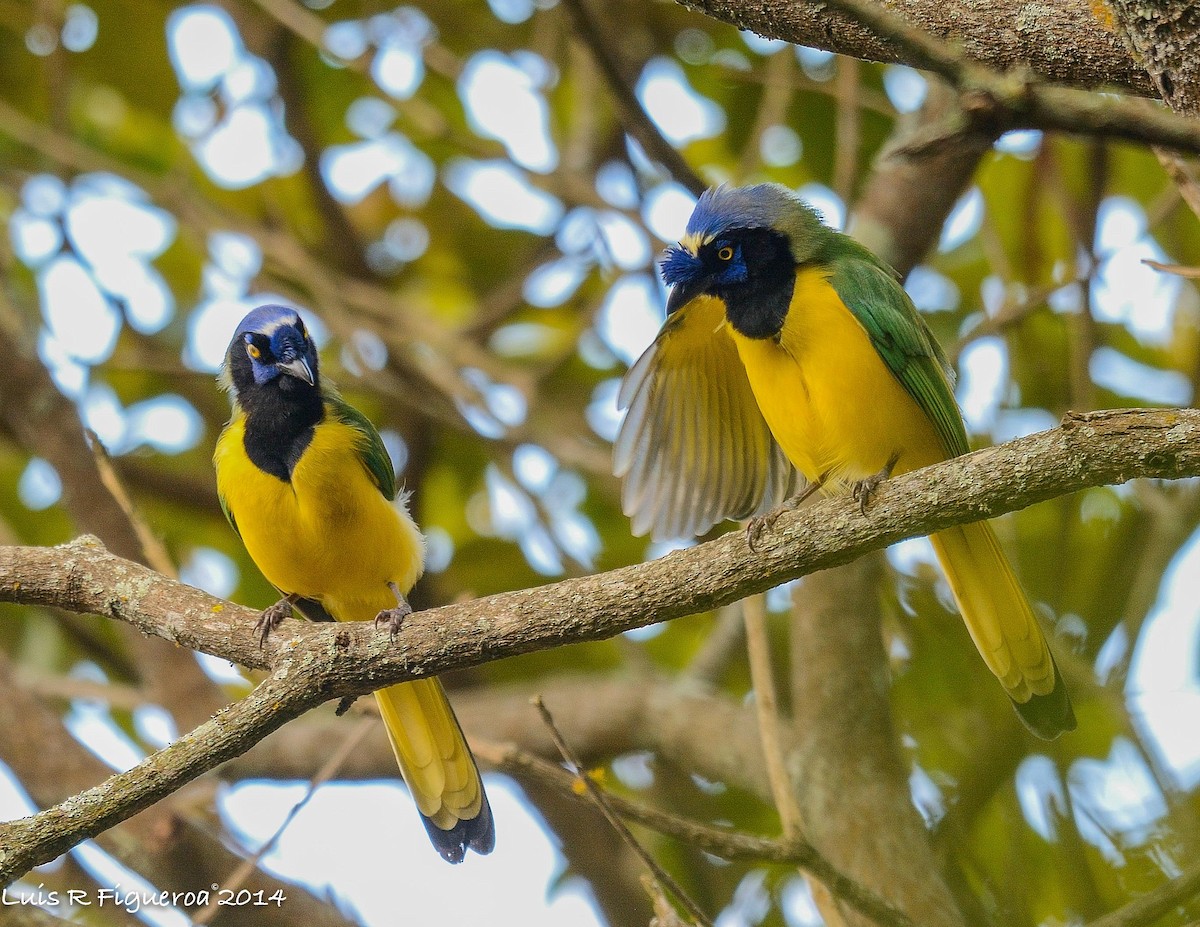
241, 151
398, 69
208, 569
39, 486
210, 326
352, 171
1022, 143
1120, 790
554, 282
236, 254
250, 142
624, 242
44, 195
168, 423
826, 202
14, 800
35, 239
616, 185
910, 554
79, 316
103, 413
905, 87
92, 725
534, 466
1164, 678
370, 117
108, 872
203, 44
1011, 424
499, 192
780, 146
963, 222
1126, 290
351, 839
983, 377
796, 901
594, 352
514, 517
68, 374
1126, 377
761, 45
511, 11
1039, 790
631, 316
249, 79
504, 102
602, 413
931, 291
679, 112
750, 902
666, 211
80, 29
816, 62
346, 39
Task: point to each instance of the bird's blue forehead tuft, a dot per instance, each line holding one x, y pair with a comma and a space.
723, 208
679, 266
266, 320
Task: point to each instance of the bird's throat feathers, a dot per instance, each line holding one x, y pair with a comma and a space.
280, 417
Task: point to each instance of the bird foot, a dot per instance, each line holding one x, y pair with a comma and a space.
863, 490
271, 618
393, 618
760, 523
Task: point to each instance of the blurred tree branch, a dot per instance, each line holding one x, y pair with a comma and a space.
318, 663
1065, 41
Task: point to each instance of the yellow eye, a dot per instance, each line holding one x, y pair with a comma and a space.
726, 253
253, 351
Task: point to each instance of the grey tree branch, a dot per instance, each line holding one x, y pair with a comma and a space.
1001, 101
317, 663
1062, 40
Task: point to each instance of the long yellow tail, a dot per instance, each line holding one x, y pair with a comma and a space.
438, 767
1003, 626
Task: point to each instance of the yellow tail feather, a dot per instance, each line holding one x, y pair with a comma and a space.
1002, 625
437, 766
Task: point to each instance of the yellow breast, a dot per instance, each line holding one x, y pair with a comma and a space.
828, 397
329, 534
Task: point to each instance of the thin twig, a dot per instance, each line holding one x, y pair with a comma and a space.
636, 120
766, 705
661, 875
239, 876
153, 548
1154, 904
731, 845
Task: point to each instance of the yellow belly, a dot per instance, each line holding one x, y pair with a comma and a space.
829, 398
329, 534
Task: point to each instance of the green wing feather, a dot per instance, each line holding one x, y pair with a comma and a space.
871, 291
371, 449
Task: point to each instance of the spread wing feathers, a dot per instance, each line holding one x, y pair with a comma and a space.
371, 450
694, 449
902, 339
437, 767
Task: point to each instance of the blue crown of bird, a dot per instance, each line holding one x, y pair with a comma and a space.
308, 486
790, 348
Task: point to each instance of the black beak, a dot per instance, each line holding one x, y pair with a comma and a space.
300, 370
684, 292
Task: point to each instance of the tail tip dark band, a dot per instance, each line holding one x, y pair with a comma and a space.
478, 834
1049, 715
